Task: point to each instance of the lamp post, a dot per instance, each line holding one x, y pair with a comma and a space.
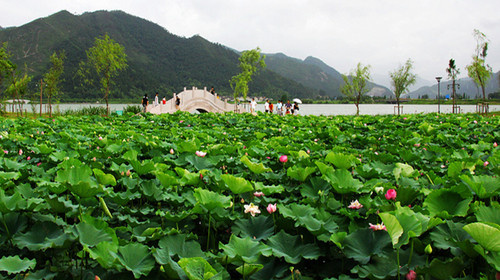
439, 93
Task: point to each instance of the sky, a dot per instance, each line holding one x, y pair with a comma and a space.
342, 33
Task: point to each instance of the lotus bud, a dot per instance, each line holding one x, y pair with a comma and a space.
428, 249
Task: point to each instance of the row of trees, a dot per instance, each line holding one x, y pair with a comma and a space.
355, 84
104, 60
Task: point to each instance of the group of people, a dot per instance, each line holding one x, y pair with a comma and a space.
281, 109
145, 101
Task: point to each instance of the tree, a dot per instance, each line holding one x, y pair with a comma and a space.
478, 70
52, 78
355, 85
18, 87
106, 58
453, 72
250, 62
402, 78
6, 66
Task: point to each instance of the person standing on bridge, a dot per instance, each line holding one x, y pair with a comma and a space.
145, 102
253, 106
156, 100
266, 106
177, 103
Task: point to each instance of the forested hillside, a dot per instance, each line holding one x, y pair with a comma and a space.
157, 60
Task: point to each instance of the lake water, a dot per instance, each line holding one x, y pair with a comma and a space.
314, 109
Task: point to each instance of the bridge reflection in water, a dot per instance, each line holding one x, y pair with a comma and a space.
195, 100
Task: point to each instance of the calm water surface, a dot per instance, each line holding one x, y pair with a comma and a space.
320, 109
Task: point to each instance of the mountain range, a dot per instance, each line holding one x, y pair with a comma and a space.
159, 61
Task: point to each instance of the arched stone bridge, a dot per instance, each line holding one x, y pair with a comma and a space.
194, 99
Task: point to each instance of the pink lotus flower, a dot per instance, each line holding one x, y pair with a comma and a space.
5, 151
412, 275
201, 154
94, 159
355, 205
391, 194
38, 164
20, 152
100, 137
475, 121
258, 194
28, 158
128, 173
181, 121
283, 158
377, 226
417, 145
495, 144
486, 163
252, 209
271, 208
171, 151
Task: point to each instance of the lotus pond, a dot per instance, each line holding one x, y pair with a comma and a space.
226, 196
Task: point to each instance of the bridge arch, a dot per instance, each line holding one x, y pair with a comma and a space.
195, 99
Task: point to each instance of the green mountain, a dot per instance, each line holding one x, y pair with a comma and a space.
315, 74
157, 60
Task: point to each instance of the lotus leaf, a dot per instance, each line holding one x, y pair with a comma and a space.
299, 173
198, 268
343, 182
489, 214
393, 226
15, 265
446, 203
256, 168
341, 161
487, 236
245, 249
237, 185
249, 269
483, 186
42, 236
302, 214
258, 228
104, 253
92, 232
211, 200
291, 248
135, 257
365, 243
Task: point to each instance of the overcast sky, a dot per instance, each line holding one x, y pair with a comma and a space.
381, 33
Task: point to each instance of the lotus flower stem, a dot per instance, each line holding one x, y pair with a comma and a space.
208, 236
397, 257
411, 252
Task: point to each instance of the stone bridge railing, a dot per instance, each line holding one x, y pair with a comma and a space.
195, 99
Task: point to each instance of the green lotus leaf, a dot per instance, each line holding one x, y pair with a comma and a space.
13, 165
41, 274
143, 167
483, 186
42, 236
258, 228
455, 168
12, 223
292, 248
337, 238
15, 265
249, 269
237, 185
256, 168
381, 267
105, 253
11, 203
198, 268
488, 214
8, 176
187, 178
92, 232
445, 269
199, 163
324, 168
130, 156
177, 245
445, 203
393, 227
450, 235
299, 173
79, 179
343, 182
135, 257
166, 179
104, 179
114, 148
211, 200
403, 170
268, 190
245, 249
341, 161
188, 146
365, 243
486, 235
302, 214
